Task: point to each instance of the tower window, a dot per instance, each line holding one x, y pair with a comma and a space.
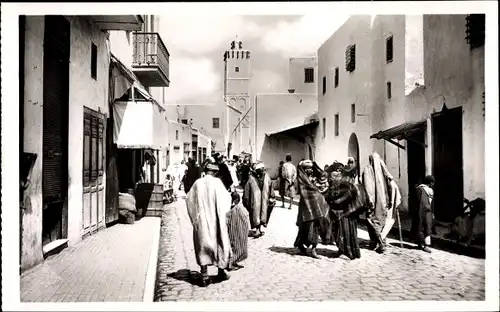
237, 69
389, 49
324, 128
93, 61
308, 75
475, 30
350, 58
215, 123
353, 113
185, 121
337, 127
336, 77
389, 90
324, 85
176, 135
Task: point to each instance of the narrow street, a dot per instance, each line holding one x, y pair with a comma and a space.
275, 270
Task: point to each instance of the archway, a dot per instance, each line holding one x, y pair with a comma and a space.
353, 150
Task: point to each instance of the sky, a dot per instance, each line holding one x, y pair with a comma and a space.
196, 44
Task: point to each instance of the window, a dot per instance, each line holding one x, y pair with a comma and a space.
324, 128
337, 125
215, 123
324, 85
93, 61
388, 49
184, 121
389, 90
308, 75
93, 147
237, 69
336, 77
350, 58
353, 113
475, 30
176, 135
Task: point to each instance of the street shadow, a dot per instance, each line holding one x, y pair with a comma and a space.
292, 251
365, 244
192, 277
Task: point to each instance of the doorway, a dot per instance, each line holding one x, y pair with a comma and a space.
353, 150
447, 164
416, 166
56, 49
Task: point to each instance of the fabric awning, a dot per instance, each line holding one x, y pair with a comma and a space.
139, 125
400, 132
309, 125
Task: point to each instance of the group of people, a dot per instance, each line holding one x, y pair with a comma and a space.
331, 201
221, 219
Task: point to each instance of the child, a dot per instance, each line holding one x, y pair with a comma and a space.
238, 225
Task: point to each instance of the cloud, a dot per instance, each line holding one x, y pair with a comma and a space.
302, 37
192, 78
201, 34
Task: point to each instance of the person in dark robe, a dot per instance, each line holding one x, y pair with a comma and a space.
238, 225
347, 200
281, 181
245, 168
192, 174
423, 217
313, 214
224, 173
258, 198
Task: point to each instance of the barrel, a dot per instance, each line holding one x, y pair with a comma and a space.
149, 198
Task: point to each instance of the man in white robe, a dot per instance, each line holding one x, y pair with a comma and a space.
207, 203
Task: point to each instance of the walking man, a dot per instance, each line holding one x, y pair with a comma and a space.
238, 227
424, 215
289, 175
208, 203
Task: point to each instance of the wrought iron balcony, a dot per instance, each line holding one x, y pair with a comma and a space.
150, 59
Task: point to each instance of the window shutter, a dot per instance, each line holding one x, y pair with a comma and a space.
347, 58
475, 30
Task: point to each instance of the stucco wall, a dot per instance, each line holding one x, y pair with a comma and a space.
279, 112
296, 74
202, 119
31, 232
83, 91
276, 147
353, 88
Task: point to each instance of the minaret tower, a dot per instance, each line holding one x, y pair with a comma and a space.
237, 99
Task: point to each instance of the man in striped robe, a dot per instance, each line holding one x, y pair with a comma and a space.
238, 225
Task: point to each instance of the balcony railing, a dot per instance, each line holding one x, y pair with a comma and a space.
150, 60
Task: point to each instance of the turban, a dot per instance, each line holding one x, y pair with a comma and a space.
307, 163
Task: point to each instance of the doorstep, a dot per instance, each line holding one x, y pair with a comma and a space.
54, 247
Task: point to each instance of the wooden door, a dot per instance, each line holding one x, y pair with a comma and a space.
93, 171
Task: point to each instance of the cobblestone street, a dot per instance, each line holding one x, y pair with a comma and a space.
275, 270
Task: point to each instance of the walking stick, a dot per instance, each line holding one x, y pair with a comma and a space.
400, 230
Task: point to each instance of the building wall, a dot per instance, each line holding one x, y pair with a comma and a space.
276, 147
202, 116
83, 91
296, 74
276, 113
353, 88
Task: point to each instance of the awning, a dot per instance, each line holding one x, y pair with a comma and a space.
139, 125
123, 79
400, 132
307, 126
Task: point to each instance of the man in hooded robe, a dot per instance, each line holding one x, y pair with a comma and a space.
224, 173
257, 197
192, 174
379, 187
313, 213
208, 203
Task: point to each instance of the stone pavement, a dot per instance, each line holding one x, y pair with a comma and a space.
110, 265
275, 270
